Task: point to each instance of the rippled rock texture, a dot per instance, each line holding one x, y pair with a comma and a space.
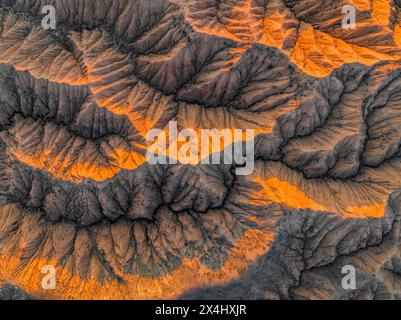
77, 192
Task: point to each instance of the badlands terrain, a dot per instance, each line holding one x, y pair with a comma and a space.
76, 189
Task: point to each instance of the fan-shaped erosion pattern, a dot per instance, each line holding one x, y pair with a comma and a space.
78, 193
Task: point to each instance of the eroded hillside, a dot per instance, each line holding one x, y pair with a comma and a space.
77, 191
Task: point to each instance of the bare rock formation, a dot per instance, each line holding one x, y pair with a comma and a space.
78, 193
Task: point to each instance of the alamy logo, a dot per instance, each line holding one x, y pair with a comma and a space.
349, 281
349, 19
49, 280
204, 146
49, 21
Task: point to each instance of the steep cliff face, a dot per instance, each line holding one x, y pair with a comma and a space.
78, 193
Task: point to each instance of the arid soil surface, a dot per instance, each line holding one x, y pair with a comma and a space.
76, 189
